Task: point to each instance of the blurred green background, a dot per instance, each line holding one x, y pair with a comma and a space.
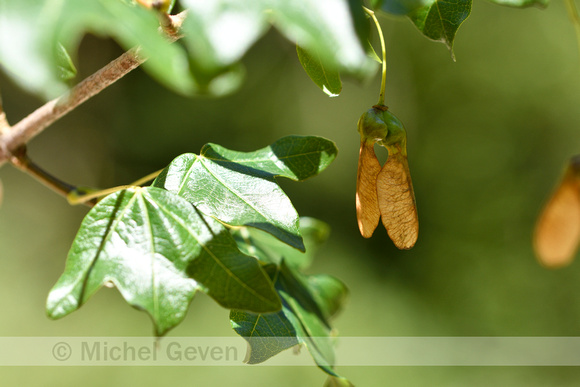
488, 137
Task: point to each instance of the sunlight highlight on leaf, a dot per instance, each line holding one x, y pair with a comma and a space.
158, 251
324, 76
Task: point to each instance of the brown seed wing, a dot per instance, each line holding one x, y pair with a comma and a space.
558, 228
367, 206
397, 201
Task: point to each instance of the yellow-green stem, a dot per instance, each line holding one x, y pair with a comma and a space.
75, 198
384, 50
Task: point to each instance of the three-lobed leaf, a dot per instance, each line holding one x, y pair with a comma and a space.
239, 188
158, 250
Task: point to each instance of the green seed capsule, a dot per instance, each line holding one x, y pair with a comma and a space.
371, 125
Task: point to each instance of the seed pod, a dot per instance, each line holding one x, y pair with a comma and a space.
397, 200
372, 129
371, 125
367, 205
385, 193
557, 233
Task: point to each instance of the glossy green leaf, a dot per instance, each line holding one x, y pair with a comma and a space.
239, 188
300, 313
439, 20
269, 249
522, 3
267, 333
31, 30
233, 194
324, 76
294, 157
158, 251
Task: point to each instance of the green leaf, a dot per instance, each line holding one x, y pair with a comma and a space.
360, 19
522, 3
371, 53
269, 334
158, 251
269, 249
294, 157
306, 316
239, 188
217, 35
329, 28
329, 292
440, 19
66, 67
400, 7
31, 31
323, 75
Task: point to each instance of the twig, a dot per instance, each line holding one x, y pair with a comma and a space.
47, 114
21, 161
11, 138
